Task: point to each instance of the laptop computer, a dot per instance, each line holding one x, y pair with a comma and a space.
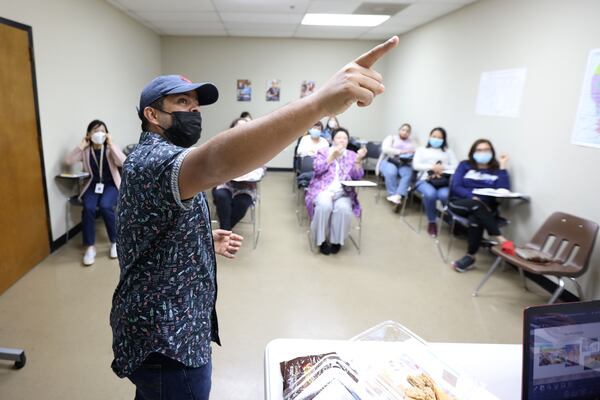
561, 351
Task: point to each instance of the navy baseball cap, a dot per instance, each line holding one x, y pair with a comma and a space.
172, 84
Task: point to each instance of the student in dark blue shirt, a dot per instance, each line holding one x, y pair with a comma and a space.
481, 170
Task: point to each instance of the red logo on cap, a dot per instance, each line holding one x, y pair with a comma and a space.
185, 78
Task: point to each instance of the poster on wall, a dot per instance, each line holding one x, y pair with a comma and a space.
500, 92
587, 122
307, 87
244, 90
273, 89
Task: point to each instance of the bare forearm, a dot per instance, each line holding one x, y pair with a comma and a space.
244, 148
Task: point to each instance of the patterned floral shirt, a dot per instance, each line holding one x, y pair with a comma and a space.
165, 299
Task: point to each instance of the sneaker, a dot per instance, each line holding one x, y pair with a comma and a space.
113, 250
464, 264
90, 256
432, 229
395, 198
335, 248
324, 248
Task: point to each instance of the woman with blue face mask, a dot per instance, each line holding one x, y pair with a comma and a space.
430, 162
312, 142
482, 170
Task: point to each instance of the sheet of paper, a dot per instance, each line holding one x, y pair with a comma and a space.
587, 122
358, 183
500, 92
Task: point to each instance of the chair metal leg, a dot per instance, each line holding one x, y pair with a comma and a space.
403, 213
255, 226
487, 275
523, 278
359, 229
68, 211
558, 291
450, 238
579, 290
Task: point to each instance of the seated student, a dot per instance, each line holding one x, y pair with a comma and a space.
329, 204
330, 126
431, 162
481, 170
101, 158
312, 142
233, 198
397, 152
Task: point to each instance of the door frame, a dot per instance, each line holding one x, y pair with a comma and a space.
29, 31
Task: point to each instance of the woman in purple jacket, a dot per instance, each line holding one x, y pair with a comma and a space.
481, 170
330, 206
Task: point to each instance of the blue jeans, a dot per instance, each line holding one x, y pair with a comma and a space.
106, 202
397, 179
430, 196
161, 378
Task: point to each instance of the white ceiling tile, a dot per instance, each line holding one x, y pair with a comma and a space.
266, 6
192, 26
248, 26
168, 6
333, 7
286, 18
260, 33
197, 32
209, 16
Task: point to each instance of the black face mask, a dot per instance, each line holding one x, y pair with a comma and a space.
186, 128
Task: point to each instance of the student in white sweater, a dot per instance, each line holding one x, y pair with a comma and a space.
311, 143
430, 162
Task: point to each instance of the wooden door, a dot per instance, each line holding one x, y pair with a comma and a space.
24, 233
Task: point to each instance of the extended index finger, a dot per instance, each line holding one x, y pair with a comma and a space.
371, 56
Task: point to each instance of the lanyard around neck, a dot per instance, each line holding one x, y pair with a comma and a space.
101, 163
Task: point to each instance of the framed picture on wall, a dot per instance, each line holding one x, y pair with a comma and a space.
587, 121
307, 87
273, 89
244, 90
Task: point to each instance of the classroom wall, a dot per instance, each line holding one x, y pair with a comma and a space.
223, 60
433, 79
91, 62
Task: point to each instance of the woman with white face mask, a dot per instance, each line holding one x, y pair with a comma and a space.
101, 158
480, 171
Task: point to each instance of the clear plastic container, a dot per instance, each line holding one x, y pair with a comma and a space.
385, 362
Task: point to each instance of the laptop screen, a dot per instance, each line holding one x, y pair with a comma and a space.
562, 352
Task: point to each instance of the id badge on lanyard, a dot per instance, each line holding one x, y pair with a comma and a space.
99, 189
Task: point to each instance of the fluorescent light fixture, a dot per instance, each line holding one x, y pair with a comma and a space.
344, 19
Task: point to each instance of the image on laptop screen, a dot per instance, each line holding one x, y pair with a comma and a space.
562, 351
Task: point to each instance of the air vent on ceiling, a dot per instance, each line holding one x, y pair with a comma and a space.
380, 8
